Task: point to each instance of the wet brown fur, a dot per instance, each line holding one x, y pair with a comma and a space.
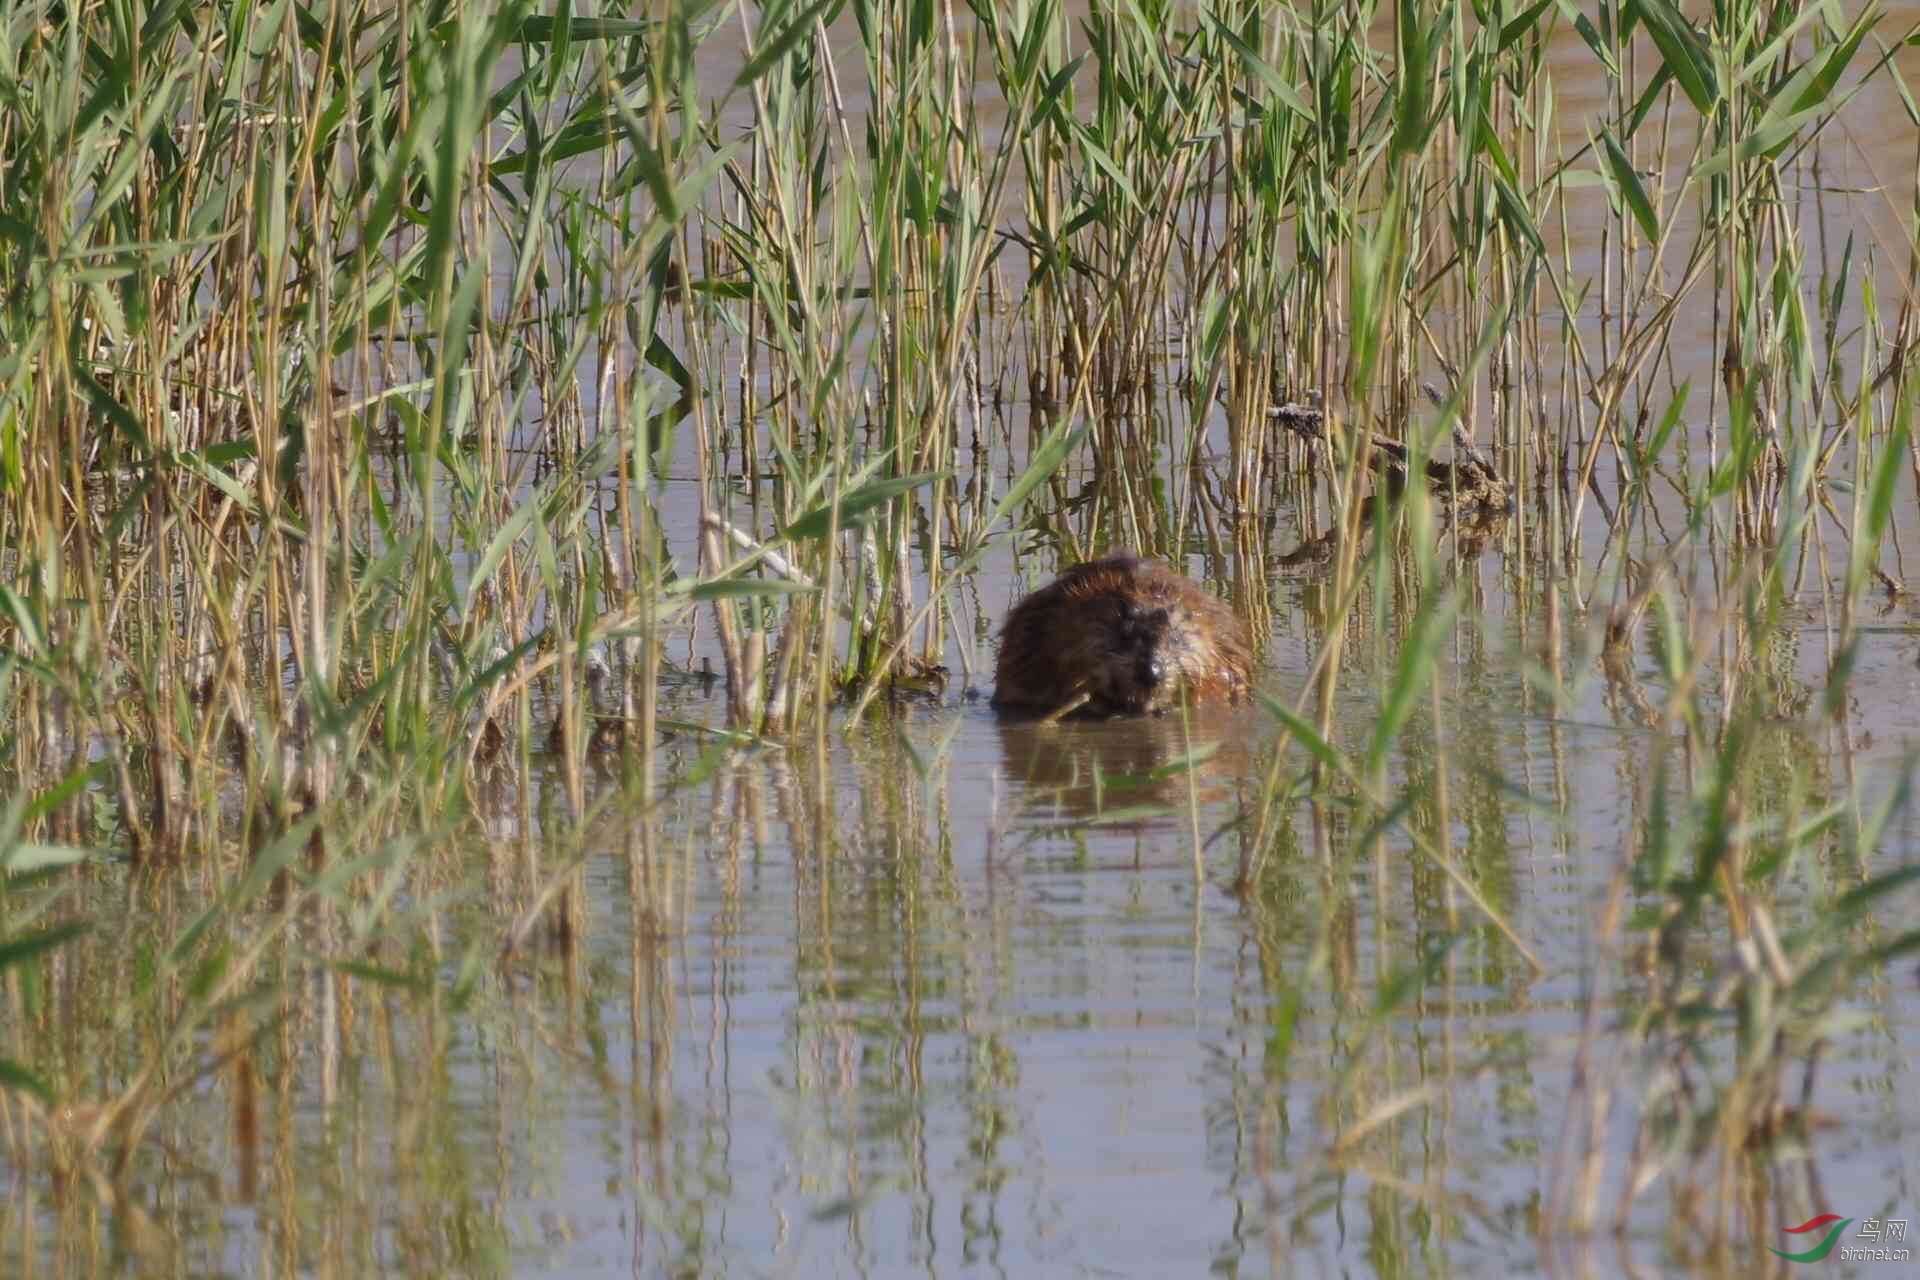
1130, 635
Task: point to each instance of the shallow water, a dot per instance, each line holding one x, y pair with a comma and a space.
978, 1006
970, 996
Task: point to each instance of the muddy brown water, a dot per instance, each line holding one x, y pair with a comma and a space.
987, 1002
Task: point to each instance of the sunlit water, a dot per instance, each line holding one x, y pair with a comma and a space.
976, 998
973, 1011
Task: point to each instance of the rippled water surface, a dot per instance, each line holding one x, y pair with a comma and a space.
938, 993
980, 1002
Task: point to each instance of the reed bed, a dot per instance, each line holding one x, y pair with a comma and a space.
400, 400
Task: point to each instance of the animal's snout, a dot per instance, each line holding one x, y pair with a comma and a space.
1141, 634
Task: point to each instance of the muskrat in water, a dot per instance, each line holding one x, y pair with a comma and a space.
1120, 636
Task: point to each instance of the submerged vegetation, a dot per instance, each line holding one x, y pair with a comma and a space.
413, 415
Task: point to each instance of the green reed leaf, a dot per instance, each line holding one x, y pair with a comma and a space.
1858, 901
1595, 42
563, 26
1517, 28
1663, 431
20, 1080
1414, 79
1684, 52
1627, 184
381, 976
856, 506
1813, 83
1301, 732
25, 859
1062, 438
741, 588
276, 857
1419, 658
1272, 81
1882, 489
497, 547
781, 43
1763, 141
14, 951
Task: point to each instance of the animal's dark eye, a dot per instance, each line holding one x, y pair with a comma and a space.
1157, 618
1123, 608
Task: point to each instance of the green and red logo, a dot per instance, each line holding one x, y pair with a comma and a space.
1820, 1250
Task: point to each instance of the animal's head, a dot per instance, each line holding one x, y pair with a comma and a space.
1136, 646
1126, 665
1119, 636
